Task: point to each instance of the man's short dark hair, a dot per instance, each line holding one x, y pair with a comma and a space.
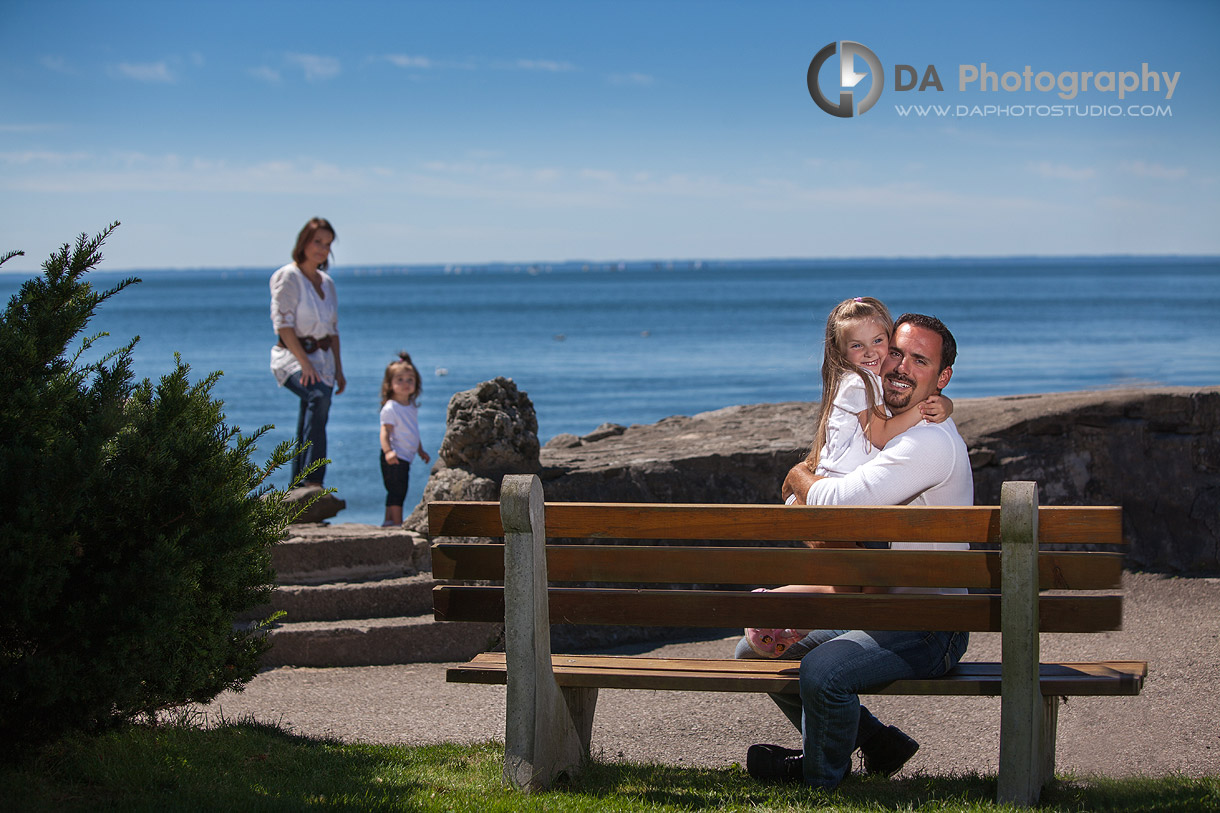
948, 345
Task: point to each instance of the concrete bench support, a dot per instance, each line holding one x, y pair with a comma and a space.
1027, 757
547, 729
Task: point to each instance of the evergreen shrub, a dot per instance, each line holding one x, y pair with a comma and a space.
134, 527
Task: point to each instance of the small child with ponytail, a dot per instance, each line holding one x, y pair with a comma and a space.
399, 433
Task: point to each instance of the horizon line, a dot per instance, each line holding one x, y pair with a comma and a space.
663, 263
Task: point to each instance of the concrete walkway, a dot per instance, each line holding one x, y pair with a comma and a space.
1174, 726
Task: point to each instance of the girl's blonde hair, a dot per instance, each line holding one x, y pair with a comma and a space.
835, 364
394, 367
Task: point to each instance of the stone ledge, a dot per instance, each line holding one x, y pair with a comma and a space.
1155, 452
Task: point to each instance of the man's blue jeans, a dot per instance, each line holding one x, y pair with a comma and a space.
836, 665
311, 425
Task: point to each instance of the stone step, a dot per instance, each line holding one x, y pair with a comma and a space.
359, 595
318, 553
378, 641
379, 598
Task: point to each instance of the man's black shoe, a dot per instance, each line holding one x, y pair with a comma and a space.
771, 763
888, 751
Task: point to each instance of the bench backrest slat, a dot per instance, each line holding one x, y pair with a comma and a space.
1087, 525
764, 565
726, 609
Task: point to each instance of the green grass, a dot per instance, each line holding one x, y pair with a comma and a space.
248, 766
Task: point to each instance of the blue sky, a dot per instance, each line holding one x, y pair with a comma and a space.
474, 132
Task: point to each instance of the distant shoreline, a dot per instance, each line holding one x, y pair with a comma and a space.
636, 265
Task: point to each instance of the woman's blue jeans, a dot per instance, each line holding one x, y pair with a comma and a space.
836, 665
311, 425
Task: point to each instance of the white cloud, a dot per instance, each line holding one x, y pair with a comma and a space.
1158, 172
641, 79
549, 65
41, 157
118, 172
57, 64
536, 187
835, 166
158, 72
315, 67
481, 178
28, 128
269, 75
408, 61
601, 175
1062, 172
637, 190
1120, 203
450, 167
489, 174
567, 187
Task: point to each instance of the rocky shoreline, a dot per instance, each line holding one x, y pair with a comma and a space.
1155, 452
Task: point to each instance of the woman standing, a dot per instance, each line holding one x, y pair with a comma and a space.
306, 359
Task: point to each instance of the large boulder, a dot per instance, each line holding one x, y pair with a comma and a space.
490, 431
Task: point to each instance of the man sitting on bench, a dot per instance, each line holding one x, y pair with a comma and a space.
926, 465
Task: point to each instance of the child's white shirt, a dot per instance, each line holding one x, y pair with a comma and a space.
404, 434
847, 446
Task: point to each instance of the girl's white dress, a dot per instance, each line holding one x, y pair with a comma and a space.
847, 447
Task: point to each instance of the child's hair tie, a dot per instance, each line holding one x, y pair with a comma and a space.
858, 299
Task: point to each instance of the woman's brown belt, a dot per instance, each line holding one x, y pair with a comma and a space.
309, 343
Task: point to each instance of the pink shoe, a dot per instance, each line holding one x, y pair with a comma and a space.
772, 643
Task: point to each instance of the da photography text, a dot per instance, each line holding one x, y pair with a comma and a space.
857, 62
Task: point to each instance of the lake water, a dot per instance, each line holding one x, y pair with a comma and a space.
637, 342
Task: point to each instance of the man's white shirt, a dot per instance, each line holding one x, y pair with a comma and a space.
925, 465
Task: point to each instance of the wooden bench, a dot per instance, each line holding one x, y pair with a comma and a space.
551, 698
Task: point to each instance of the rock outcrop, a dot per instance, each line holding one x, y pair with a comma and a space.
1155, 452
490, 431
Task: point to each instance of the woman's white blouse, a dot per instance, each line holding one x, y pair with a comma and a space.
295, 303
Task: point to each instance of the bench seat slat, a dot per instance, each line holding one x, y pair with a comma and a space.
705, 565
1087, 525
717, 608
746, 675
